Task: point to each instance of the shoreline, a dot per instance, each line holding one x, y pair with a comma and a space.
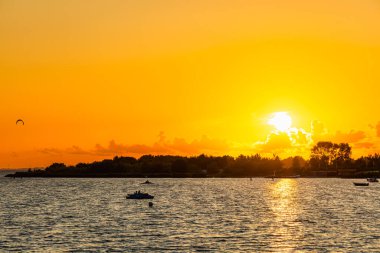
27, 175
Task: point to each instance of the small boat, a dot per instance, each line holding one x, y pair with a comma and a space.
147, 182
372, 180
139, 195
361, 184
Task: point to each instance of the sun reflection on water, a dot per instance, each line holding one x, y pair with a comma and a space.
286, 211
284, 192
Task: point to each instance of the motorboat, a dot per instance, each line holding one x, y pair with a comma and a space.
361, 184
139, 195
147, 182
372, 180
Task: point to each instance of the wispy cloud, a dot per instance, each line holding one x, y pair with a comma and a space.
177, 146
350, 137
365, 145
378, 129
293, 141
74, 150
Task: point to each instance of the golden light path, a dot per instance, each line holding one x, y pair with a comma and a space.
287, 210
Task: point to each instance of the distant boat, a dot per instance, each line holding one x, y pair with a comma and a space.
139, 195
361, 184
372, 180
147, 182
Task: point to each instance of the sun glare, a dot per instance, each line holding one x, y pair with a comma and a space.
281, 121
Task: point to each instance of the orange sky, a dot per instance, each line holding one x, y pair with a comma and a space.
94, 80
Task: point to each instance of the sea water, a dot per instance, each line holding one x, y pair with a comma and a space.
189, 215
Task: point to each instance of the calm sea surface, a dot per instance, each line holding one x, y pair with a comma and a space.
189, 215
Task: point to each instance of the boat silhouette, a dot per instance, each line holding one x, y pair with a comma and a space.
147, 182
361, 184
139, 195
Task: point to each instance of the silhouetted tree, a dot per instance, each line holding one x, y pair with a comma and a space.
56, 167
179, 166
326, 155
298, 164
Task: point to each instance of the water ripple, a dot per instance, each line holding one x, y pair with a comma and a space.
189, 215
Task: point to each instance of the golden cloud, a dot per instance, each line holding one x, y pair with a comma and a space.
351, 137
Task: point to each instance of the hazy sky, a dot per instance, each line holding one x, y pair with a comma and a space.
94, 79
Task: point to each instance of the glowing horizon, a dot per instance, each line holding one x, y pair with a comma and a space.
130, 78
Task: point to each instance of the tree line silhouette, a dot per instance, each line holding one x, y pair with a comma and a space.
327, 159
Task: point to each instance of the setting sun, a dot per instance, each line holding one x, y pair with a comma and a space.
267, 109
281, 121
